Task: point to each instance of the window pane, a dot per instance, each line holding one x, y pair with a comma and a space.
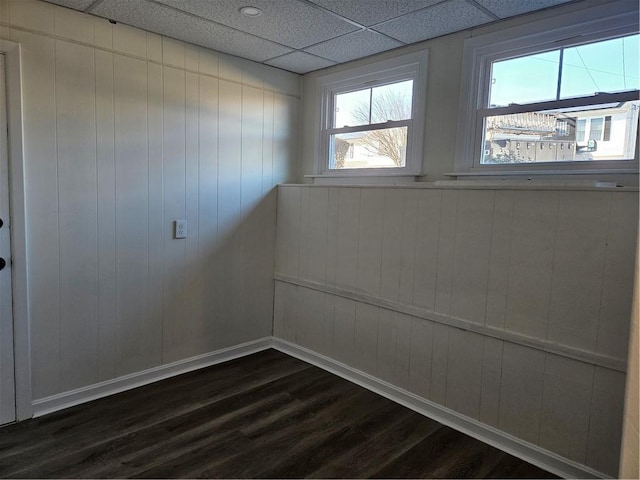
529, 79
609, 66
384, 148
391, 102
606, 136
352, 108
581, 129
565, 135
595, 129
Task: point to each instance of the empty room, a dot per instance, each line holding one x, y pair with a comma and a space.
319, 238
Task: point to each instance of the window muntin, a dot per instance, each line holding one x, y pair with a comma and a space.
534, 97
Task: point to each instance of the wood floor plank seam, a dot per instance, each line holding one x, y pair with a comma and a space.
267, 415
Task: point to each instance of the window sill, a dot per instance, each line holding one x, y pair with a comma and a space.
512, 173
362, 178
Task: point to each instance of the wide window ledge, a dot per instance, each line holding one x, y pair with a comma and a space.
512, 173
392, 178
477, 185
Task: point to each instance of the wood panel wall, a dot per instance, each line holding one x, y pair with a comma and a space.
126, 131
511, 307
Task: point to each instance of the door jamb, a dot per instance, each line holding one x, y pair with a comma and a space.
21, 331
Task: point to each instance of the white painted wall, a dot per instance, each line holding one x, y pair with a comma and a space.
510, 306
126, 131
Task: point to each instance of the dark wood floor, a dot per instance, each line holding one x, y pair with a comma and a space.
263, 416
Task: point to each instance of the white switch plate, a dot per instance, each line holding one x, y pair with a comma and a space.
181, 228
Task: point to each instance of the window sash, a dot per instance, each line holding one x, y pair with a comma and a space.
599, 99
371, 126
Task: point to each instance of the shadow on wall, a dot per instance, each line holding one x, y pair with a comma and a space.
223, 295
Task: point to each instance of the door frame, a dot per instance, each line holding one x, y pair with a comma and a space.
20, 292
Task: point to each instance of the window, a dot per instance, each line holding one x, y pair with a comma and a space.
569, 85
372, 118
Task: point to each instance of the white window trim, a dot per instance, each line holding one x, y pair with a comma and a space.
412, 65
612, 19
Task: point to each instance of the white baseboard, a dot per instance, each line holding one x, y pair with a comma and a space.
529, 452
127, 382
526, 451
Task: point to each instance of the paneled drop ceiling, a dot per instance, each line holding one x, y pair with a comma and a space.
305, 35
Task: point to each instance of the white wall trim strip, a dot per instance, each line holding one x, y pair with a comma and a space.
485, 433
605, 361
127, 382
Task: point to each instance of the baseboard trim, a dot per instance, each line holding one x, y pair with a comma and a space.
127, 382
526, 451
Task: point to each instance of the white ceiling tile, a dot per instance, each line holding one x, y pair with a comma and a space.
509, 8
370, 12
300, 62
354, 45
75, 4
289, 22
440, 19
181, 26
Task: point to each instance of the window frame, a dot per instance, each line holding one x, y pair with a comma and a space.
412, 66
612, 20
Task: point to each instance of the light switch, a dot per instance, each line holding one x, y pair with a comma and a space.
181, 228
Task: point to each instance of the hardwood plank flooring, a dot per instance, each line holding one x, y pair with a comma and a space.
266, 415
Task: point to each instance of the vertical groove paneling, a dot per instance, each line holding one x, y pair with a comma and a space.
195, 343
403, 351
439, 363
498, 280
105, 153
580, 244
387, 341
425, 269
208, 203
506, 260
317, 228
331, 235
344, 330
155, 214
366, 337
116, 149
605, 424
229, 202
347, 237
77, 216
391, 256
530, 262
39, 117
617, 275
370, 240
464, 372
521, 391
491, 379
565, 407
131, 183
304, 245
446, 251
421, 353
408, 247
267, 145
470, 270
